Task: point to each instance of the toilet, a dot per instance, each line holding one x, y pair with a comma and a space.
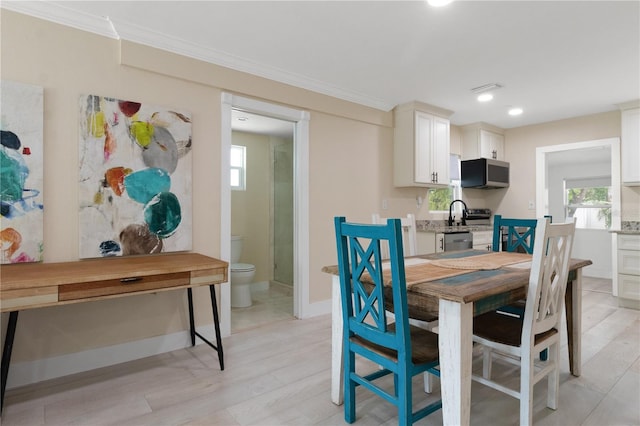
241, 276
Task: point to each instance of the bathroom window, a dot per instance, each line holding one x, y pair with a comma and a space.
238, 167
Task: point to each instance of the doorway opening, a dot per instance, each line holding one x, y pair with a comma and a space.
261, 219
564, 170
298, 220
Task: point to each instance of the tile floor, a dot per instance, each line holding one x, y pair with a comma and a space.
269, 305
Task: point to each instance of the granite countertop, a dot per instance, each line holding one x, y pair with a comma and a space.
631, 227
440, 226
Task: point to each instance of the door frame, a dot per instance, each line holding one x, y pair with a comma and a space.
542, 196
300, 118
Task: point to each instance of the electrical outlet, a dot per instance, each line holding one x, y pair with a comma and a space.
385, 204
532, 205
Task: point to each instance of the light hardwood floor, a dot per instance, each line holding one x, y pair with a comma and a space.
278, 374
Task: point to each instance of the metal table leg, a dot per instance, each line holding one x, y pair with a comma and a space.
192, 326
6, 352
216, 325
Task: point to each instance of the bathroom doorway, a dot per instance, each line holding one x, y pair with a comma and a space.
300, 200
262, 214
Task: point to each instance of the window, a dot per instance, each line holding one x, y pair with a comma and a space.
238, 167
441, 198
589, 201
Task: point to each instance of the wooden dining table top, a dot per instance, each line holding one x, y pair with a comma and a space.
487, 279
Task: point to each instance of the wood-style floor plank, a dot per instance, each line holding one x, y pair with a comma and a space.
278, 373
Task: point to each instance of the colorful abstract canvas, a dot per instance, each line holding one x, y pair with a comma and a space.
135, 178
21, 173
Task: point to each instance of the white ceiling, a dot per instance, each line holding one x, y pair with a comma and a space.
252, 123
555, 59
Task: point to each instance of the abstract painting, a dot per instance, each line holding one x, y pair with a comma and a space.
134, 177
21, 173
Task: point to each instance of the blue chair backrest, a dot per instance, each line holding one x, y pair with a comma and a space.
362, 283
520, 233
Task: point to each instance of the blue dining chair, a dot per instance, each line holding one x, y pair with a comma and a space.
520, 234
399, 349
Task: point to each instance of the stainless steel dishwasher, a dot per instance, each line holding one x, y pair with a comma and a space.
458, 241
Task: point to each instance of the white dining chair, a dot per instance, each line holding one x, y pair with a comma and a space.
410, 245
409, 234
519, 339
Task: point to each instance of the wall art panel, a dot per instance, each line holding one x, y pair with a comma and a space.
21, 173
135, 178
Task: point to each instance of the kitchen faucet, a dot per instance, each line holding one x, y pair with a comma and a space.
464, 213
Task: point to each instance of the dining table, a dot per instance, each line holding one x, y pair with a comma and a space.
453, 287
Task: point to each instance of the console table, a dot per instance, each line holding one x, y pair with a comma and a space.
36, 285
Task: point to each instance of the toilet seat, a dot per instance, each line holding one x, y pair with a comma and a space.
242, 267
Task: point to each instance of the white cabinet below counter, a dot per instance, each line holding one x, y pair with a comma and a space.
483, 240
628, 276
430, 242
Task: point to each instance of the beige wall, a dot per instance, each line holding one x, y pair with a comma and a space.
68, 63
521, 144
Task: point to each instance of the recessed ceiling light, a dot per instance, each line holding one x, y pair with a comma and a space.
515, 111
438, 3
485, 97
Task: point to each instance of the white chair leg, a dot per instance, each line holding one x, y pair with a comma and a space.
553, 380
486, 362
428, 382
526, 389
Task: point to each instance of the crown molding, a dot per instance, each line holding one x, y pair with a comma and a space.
127, 31
63, 15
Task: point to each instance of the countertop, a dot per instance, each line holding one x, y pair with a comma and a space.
440, 227
629, 227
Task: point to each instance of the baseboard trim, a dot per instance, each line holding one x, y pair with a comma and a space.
26, 373
318, 308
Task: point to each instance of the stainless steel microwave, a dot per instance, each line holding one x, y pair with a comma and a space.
484, 173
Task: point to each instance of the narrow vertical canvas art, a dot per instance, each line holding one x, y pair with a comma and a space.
21, 173
135, 178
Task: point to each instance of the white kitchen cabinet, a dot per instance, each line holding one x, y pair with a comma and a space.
426, 242
630, 146
430, 242
629, 270
483, 240
482, 140
439, 243
421, 146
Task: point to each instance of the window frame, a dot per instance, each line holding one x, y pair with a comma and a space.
606, 207
242, 169
455, 186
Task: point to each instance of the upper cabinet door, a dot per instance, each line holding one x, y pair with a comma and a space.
630, 146
482, 140
420, 147
441, 149
491, 145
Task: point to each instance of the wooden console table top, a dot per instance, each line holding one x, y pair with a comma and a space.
34, 285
